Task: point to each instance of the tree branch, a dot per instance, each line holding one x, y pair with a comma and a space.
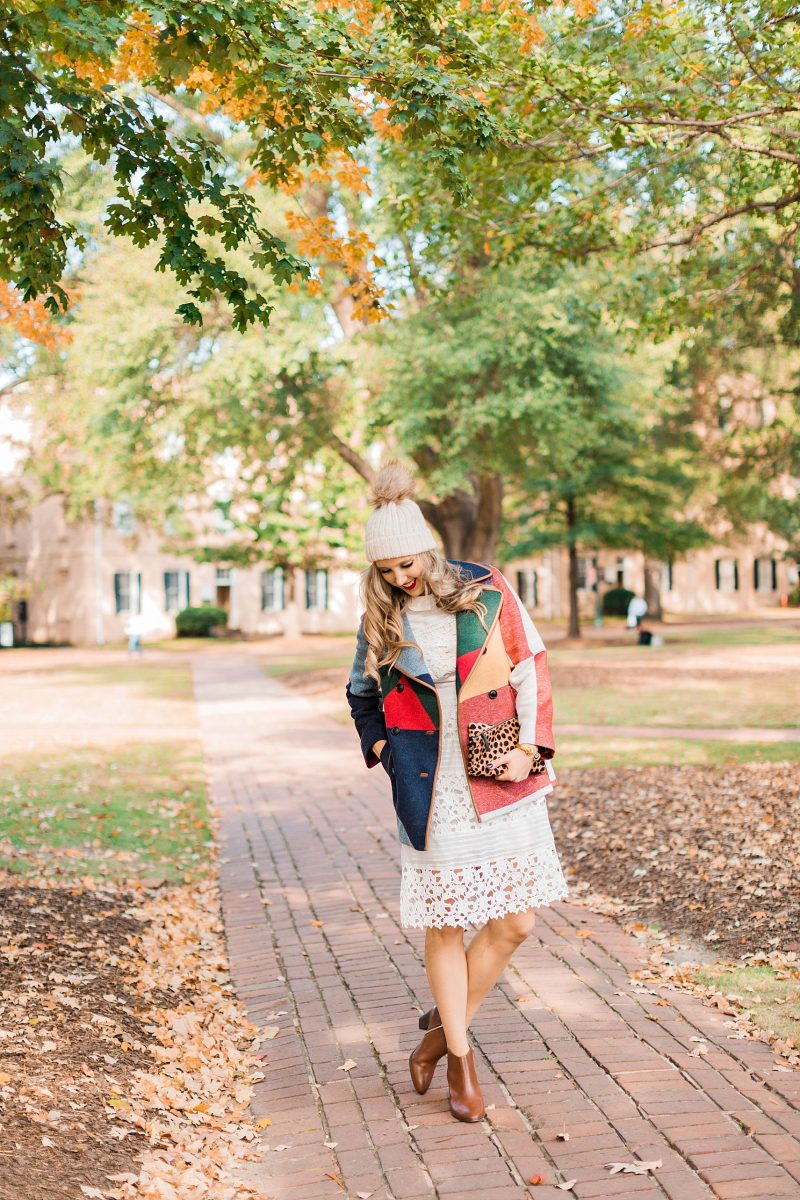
352, 457
728, 215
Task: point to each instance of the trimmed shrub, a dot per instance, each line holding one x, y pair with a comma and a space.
199, 621
794, 597
616, 601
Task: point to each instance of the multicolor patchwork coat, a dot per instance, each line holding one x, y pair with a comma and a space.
495, 670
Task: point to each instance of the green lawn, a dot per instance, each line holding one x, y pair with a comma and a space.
776, 634
121, 813
576, 751
156, 680
725, 700
312, 661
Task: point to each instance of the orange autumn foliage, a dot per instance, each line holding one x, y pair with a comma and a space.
363, 12
134, 58
317, 238
30, 319
345, 170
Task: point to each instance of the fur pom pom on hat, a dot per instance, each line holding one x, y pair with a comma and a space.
396, 526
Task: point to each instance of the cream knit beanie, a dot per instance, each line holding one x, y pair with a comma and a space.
396, 526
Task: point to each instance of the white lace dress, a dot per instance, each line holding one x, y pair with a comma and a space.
471, 872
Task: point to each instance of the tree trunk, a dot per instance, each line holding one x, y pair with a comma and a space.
468, 522
652, 588
574, 629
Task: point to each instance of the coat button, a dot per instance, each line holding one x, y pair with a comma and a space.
395, 729
492, 694
423, 774
430, 732
400, 687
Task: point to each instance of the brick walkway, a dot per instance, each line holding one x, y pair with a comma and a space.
567, 1043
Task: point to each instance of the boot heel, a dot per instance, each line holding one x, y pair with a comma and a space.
424, 1058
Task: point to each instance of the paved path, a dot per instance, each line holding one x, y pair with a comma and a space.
568, 1043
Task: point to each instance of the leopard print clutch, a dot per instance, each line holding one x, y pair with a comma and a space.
485, 743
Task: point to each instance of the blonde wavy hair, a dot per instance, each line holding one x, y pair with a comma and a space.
384, 604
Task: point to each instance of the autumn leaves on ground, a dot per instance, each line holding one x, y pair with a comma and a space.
126, 1062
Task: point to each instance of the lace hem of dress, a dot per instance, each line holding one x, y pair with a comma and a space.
476, 894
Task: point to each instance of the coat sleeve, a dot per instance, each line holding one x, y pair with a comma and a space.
530, 675
364, 699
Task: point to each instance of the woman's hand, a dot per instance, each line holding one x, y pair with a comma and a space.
516, 766
378, 747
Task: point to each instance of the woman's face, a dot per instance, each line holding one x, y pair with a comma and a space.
403, 573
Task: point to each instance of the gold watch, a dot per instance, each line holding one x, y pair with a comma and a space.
526, 748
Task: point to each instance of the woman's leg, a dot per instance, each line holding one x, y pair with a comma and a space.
489, 952
446, 967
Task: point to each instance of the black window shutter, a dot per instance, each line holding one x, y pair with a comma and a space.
736, 574
774, 566
716, 572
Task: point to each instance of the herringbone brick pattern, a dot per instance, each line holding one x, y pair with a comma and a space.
567, 1043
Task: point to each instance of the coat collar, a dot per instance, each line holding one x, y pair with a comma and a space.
477, 572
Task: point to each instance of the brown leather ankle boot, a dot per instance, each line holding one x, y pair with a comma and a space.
433, 1046
466, 1101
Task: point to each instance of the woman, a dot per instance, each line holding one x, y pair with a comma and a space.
443, 646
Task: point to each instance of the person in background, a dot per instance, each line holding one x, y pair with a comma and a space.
134, 629
636, 610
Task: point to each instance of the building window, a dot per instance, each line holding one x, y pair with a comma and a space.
128, 591
528, 587
666, 576
765, 575
587, 572
176, 590
123, 518
272, 590
223, 576
316, 589
727, 574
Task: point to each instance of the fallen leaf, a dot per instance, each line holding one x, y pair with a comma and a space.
263, 1122
584, 933
535, 1180
269, 1032
46, 1141
316, 922
92, 1191
363, 1195
633, 1168
331, 1145
4, 1078
281, 1147
563, 1137
348, 1065
567, 1185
